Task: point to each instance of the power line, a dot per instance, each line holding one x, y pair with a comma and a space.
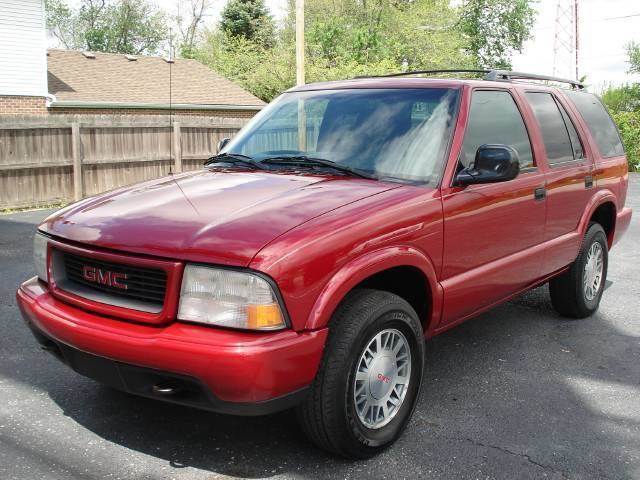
617, 18
595, 20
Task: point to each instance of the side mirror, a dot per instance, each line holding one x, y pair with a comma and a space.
493, 163
223, 143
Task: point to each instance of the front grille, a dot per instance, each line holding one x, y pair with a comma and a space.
144, 286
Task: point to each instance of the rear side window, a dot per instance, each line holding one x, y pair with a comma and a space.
560, 138
495, 118
576, 144
602, 128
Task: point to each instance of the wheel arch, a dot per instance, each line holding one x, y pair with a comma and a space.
601, 209
384, 269
605, 215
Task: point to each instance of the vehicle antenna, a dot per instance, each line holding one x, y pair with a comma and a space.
170, 62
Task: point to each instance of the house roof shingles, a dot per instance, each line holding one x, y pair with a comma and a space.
113, 78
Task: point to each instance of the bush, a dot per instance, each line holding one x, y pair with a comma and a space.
625, 98
629, 125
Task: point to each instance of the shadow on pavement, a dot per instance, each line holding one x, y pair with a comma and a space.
498, 385
515, 393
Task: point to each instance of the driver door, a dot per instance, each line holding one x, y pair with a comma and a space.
492, 232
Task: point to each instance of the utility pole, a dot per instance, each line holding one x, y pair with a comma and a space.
302, 117
577, 24
299, 42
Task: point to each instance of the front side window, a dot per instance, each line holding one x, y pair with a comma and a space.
389, 133
599, 123
560, 138
494, 118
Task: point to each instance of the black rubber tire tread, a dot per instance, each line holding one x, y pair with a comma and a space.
566, 289
320, 415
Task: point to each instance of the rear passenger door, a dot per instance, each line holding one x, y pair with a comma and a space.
492, 232
569, 176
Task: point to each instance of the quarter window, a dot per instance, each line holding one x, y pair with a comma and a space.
560, 138
599, 123
495, 118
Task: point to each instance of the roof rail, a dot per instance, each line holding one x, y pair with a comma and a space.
506, 75
494, 75
422, 72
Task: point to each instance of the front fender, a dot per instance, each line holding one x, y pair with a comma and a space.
363, 267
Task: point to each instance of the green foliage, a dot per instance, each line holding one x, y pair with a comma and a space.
629, 126
623, 99
249, 20
410, 35
114, 26
633, 50
347, 38
496, 28
624, 105
265, 72
343, 39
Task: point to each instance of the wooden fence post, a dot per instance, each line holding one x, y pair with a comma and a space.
76, 149
177, 148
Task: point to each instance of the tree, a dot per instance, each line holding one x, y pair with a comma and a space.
495, 29
347, 38
403, 34
189, 23
343, 38
115, 26
248, 19
633, 50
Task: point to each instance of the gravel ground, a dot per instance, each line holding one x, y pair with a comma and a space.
516, 393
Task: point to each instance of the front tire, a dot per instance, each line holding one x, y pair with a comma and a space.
576, 293
369, 379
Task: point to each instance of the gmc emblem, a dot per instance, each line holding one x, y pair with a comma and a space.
104, 277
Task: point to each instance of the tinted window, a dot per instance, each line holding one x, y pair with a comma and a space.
394, 133
576, 144
555, 133
602, 128
495, 118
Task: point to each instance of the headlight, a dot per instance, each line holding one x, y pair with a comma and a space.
228, 298
40, 256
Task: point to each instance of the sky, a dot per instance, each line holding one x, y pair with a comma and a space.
606, 26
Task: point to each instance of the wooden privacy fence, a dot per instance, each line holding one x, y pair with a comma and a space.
61, 158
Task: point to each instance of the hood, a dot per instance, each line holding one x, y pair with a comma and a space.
222, 217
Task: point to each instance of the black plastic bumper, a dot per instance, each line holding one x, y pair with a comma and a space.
160, 385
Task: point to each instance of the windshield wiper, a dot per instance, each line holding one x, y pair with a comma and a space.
234, 158
303, 160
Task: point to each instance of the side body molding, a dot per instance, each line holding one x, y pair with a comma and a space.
367, 265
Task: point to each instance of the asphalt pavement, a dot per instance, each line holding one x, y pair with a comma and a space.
516, 393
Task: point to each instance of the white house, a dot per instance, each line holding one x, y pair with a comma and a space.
23, 59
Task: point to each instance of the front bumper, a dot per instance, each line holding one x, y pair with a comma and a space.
221, 370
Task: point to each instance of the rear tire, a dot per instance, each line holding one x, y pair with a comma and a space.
362, 378
576, 293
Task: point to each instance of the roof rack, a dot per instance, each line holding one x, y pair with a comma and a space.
422, 72
492, 75
506, 75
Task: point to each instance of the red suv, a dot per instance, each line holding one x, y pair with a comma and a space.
307, 262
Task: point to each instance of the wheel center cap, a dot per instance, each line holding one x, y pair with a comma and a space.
382, 376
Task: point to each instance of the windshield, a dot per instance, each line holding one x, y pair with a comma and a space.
388, 133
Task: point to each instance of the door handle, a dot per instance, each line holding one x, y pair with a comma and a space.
540, 193
588, 181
